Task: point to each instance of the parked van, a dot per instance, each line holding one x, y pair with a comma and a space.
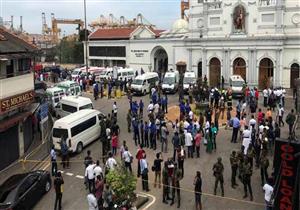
79, 129
170, 82
76, 73
70, 88
105, 74
71, 104
142, 84
189, 79
126, 73
236, 83
54, 94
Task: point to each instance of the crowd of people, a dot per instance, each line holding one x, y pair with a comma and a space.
255, 127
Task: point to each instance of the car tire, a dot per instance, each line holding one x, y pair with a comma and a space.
79, 148
144, 92
47, 185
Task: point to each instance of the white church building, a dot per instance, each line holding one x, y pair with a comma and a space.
257, 39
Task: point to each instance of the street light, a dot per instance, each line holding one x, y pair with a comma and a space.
85, 38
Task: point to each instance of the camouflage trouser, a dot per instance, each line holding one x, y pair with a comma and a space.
219, 178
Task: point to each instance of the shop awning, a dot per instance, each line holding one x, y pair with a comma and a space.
13, 120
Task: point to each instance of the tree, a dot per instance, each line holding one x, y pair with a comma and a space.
123, 185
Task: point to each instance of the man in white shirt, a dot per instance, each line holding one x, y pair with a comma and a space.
156, 109
246, 139
92, 202
280, 115
268, 189
266, 94
150, 107
111, 163
252, 122
191, 115
127, 157
98, 169
189, 143
115, 110
89, 174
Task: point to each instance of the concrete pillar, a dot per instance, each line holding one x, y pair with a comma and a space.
190, 60
278, 68
250, 68
21, 139
174, 61
255, 68
204, 63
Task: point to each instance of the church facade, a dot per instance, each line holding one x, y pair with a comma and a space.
257, 39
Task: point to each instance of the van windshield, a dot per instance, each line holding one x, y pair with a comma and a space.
58, 132
88, 106
237, 83
137, 82
189, 80
75, 72
169, 80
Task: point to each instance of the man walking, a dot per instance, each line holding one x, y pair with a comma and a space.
53, 161
144, 173
90, 176
218, 170
280, 115
58, 186
198, 190
164, 138
290, 120
115, 110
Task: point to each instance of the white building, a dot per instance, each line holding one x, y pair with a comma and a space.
258, 39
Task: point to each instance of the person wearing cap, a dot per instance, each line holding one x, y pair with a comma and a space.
218, 170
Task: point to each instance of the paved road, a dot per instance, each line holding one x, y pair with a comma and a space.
75, 194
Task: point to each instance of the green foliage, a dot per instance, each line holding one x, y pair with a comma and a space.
123, 185
70, 51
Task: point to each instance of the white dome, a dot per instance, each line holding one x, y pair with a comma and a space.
180, 24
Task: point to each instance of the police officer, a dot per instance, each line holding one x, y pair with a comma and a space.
177, 176
234, 166
246, 176
129, 117
218, 169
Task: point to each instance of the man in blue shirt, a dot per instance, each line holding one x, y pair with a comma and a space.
146, 134
136, 133
236, 126
152, 135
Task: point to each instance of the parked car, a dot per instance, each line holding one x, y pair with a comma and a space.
23, 191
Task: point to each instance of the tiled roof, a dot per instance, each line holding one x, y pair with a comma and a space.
111, 33
11, 43
117, 33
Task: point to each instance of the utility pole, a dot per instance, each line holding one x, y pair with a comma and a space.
85, 39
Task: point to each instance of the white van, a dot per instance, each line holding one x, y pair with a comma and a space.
79, 129
70, 88
142, 84
76, 73
105, 74
170, 82
71, 104
236, 83
126, 73
188, 80
54, 95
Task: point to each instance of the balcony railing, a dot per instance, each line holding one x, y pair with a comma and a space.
17, 83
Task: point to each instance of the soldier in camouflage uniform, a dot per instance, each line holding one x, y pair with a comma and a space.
264, 164
234, 166
250, 154
165, 182
240, 157
218, 170
246, 176
177, 176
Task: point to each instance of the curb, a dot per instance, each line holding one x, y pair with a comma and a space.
141, 200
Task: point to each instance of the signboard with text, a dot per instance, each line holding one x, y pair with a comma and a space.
287, 175
16, 101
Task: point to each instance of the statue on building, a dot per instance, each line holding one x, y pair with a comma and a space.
239, 18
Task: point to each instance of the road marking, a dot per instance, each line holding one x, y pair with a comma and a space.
79, 177
151, 203
69, 174
46, 166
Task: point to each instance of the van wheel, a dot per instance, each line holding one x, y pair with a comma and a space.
144, 92
79, 147
47, 186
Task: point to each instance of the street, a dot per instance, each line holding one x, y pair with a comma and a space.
74, 196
